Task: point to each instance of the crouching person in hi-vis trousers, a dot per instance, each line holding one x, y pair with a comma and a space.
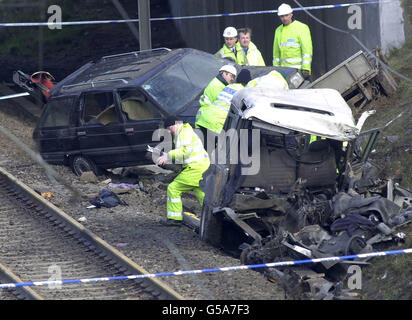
190, 153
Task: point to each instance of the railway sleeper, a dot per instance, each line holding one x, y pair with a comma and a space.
30, 269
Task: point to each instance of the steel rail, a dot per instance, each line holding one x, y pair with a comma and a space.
76, 231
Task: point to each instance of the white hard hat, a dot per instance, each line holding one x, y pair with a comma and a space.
230, 32
284, 9
229, 68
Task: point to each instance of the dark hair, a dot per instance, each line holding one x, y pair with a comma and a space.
245, 31
170, 121
243, 77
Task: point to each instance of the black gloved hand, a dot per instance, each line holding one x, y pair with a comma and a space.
305, 74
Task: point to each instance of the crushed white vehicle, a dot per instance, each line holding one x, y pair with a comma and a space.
315, 193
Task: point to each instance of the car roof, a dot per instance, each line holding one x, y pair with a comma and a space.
119, 70
321, 112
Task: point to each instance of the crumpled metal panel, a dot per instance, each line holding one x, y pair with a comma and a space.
321, 112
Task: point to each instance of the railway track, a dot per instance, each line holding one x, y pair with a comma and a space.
39, 242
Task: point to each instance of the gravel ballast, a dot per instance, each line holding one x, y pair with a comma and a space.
135, 229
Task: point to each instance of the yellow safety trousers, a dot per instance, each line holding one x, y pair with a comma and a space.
189, 149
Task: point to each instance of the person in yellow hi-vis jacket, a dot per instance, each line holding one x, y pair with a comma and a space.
292, 44
214, 117
230, 47
227, 75
273, 80
247, 52
190, 152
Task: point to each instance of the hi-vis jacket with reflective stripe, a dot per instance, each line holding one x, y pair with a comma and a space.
209, 95
292, 46
253, 57
273, 80
189, 148
214, 116
226, 52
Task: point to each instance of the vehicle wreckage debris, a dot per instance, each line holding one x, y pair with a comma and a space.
326, 204
233, 268
303, 204
348, 226
107, 198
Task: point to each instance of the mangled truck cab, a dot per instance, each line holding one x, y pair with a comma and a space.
285, 161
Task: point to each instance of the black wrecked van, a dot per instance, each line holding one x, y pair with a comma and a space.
104, 114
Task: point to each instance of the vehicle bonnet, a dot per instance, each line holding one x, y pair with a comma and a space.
320, 112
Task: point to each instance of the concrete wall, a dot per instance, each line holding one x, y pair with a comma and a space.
330, 47
392, 25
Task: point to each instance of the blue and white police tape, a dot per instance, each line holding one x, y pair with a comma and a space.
70, 23
234, 268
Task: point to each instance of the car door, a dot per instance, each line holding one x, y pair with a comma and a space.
101, 129
54, 133
141, 119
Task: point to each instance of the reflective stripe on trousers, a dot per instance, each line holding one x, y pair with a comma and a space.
174, 204
174, 201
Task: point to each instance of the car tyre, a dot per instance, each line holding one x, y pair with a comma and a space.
81, 164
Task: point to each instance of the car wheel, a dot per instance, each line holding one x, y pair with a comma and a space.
81, 164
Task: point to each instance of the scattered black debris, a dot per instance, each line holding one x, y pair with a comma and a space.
107, 198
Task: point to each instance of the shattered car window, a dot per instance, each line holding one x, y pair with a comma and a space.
58, 113
183, 81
